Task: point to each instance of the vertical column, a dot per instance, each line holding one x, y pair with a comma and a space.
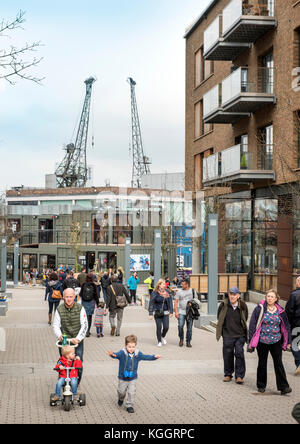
16, 264
3, 264
157, 256
127, 258
213, 264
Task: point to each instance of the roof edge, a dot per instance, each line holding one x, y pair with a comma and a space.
197, 22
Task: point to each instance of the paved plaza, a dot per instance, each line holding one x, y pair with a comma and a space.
185, 387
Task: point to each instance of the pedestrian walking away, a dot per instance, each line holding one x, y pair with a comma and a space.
232, 326
161, 304
105, 282
129, 359
54, 293
132, 284
100, 312
117, 300
150, 282
70, 319
71, 282
89, 297
269, 331
184, 311
292, 310
120, 275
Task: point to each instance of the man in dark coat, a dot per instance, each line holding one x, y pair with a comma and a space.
115, 291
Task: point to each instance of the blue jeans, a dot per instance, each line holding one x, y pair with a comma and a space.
61, 383
104, 291
181, 322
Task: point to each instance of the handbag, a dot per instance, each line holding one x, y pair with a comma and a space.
161, 312
121, 301
56, 294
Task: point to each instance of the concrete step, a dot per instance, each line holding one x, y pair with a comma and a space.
209, 328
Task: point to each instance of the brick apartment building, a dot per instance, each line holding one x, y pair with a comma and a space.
242, 134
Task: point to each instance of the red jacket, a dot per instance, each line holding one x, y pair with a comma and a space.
67, 363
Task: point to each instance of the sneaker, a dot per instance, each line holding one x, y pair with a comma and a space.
130, 410
102, 335
227, 379
164, 341
286, 391
239, 381
180, 343
120, 403
98, 336
159, 344
297, 372
55, 398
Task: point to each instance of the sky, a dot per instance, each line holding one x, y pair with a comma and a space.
111, 41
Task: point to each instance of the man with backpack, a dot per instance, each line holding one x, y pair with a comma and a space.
71, 282
117, 300
185, 312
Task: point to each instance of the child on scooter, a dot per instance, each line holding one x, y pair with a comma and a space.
67, 360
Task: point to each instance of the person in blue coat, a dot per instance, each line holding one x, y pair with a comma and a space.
129, 359
132, 284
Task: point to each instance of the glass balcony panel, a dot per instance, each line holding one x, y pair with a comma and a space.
232, 86
210, 168
211, 101
231, 160
212, 34
231, 14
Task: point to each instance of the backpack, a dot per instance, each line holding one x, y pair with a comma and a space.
121, 301
88, 293
56, 294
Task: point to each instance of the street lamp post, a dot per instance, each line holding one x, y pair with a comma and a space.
3, 264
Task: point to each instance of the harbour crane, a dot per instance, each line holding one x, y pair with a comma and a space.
140, 163
73, 171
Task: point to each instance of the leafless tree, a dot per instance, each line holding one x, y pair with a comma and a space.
14, 62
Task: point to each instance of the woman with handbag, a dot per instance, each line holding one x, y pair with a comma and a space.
54, 292
161, 303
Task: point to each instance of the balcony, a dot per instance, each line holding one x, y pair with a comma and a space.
240, 25
235, 166
238, 96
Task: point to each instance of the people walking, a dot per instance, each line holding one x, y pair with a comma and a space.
70, 319
105, 282
292, 310
161, 304
100, 312
129, 359
82, 276
269, 331
117, 300
54, 293
182, 306
71, 282
132, 284
120, 275
89, 296
232, 326
150, 282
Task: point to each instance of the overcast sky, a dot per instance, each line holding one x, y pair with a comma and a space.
113, 40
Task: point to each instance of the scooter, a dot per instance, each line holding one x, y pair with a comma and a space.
67, 399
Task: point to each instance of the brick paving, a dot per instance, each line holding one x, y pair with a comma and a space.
185, 387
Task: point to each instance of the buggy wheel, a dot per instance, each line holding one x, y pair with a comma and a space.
82, 400
67, 403
52, 403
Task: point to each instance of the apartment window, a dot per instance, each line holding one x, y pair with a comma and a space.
203, 68
297, 136
267, 73
198, 171
201, 128
266, 139
243, 141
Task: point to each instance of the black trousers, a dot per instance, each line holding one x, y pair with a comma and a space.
276, 353
133, 295
162, 327
234, 357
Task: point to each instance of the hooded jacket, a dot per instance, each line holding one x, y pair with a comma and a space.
256, 324
131, 362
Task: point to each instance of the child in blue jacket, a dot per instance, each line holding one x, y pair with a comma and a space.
129, 359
